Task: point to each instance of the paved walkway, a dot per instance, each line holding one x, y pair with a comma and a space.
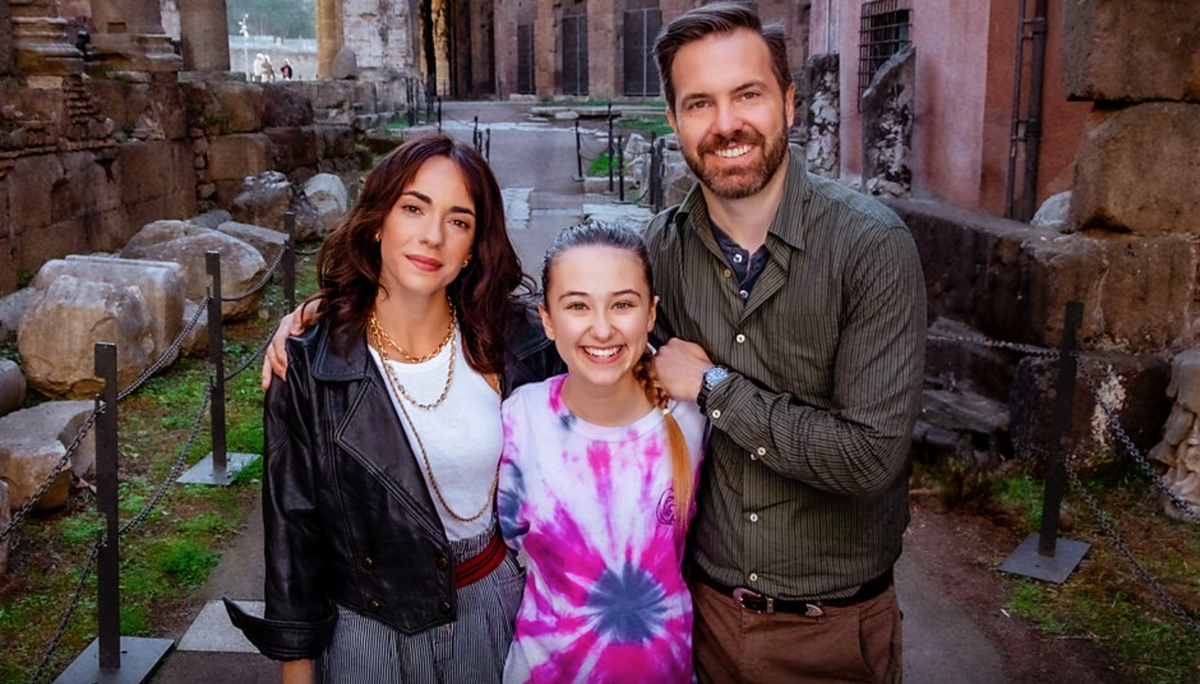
535, 164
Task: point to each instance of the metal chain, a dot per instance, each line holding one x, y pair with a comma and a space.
23, 511
171, 352
175, 467
52, 646
262, 282
250, 359
307, 253
1114, 426
1166, 599
1030, 349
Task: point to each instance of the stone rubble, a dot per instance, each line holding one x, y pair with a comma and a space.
1179, 449
33, 441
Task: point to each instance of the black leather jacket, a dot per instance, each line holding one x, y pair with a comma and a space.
347, 515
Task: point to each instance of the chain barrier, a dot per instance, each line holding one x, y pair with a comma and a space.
1029, 349
257, 287
176, 467
170, 353
1114, 427
1170, 603
306, 253
262, 347
52, 646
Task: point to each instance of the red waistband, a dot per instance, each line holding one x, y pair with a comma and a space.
481, 564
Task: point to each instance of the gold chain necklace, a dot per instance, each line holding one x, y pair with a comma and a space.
397, 388
378, 332
377, 335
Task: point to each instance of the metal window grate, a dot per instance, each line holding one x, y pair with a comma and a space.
526, 75
575, 51
883, 31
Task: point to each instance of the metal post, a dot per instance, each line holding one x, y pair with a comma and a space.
475, 135
655, 170
578, 153
412, 104
610, 149
621, 168
487, 147
1064, 404
216, 356
108, 568
439, 113
289, 260
1044, 555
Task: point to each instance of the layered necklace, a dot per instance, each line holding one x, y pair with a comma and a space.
382, 343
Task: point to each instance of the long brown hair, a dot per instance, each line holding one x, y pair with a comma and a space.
349, 264
598, 234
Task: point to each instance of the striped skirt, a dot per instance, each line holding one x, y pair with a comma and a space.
470, 650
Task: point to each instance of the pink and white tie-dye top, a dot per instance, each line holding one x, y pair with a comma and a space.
593, 511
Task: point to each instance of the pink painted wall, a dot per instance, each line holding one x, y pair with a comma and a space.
964, 84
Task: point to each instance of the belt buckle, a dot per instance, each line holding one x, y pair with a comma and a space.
741, 595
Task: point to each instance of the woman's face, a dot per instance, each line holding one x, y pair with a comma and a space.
428, 233
599, 313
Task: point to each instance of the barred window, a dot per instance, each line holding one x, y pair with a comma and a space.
883, 31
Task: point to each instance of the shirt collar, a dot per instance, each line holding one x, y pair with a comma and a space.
788, 224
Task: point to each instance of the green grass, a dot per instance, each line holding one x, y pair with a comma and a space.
1023, 495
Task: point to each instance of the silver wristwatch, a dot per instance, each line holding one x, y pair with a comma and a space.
712, 377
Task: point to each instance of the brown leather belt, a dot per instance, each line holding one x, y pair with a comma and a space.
759, 603
481, 564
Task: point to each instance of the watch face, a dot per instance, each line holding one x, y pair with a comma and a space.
714, 375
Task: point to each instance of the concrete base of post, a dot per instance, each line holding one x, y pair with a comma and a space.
1027, 562
140, 657
202, 473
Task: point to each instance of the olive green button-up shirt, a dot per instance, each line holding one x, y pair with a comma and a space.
804, 492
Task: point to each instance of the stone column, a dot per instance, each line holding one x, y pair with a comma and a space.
329, 38
6, 38
39, 42
603, 44
130, 37
202, 29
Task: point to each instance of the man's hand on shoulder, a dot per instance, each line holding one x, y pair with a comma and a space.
292, 324
680, 367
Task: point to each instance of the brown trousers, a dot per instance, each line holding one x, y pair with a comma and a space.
732, 645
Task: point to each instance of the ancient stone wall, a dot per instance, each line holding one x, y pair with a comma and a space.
823, 105
6, 38
384, 36
887, 127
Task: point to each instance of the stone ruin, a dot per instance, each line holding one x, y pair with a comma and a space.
1179, 450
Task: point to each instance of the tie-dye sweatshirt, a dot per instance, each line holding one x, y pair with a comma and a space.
593, 510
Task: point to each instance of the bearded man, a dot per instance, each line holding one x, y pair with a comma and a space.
793, 311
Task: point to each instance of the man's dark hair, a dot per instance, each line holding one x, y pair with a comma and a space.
718, 18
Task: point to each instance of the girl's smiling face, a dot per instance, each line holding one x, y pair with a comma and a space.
599, 312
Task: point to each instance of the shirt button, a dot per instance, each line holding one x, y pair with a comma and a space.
753, 517
740, 338
753, 456
443, 563
762, 451
737, 258
754, 577
444, 607
716, 413
373, 606
744, 294
368, 563
728, 273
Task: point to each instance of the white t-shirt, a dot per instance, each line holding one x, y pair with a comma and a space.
462, 436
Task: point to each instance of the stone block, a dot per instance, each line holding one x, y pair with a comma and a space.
286, 106
241, 264
1054, 214
12, 387
12, 310
233, 157
29, 185
1012, 282
1115, 50
157, 181
269, 243
33, 442
264, 199
339, 141
235, 107
8, 269
823, 115
328, 194
212, 219
1132, 387
159, 283
65, 320
1116, 189
292, 148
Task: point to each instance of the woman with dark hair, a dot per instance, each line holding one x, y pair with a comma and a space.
382, 447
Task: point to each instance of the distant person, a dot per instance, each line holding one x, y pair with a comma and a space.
266, 69
286, 70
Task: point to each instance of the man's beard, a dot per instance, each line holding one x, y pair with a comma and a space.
740, 183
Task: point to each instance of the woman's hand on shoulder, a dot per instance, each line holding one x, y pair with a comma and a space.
295, 323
